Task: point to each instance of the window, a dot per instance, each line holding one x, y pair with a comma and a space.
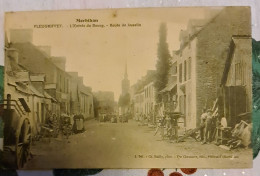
67, 86
38, 112
244, 69
60, 83
189, 68
180, 73
238, 74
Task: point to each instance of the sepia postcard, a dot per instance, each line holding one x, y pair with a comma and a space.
128, 88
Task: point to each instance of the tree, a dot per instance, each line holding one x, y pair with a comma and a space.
96, 106
124, 100
163, 62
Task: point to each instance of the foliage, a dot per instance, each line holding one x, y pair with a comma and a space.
75, 172
124, 100
256, 96
96, 106
163, 61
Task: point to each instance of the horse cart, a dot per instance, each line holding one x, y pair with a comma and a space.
17, 132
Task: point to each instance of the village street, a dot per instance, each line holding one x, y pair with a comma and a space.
114, 143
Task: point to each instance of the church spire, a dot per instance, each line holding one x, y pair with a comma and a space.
125, 82
126, 75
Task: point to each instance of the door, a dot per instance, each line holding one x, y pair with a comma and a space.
235, 103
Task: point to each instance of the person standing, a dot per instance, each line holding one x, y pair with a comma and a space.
168, 126
208, 127
202, 124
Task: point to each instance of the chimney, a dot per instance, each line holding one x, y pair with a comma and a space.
59, 62
73, 74
45, 49
80, 80
12, 54
21, 35
6, 40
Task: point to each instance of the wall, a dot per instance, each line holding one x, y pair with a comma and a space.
186, 89
212, 50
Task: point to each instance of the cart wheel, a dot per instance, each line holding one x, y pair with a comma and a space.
23, 144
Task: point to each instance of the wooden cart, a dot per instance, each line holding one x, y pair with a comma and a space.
17, 132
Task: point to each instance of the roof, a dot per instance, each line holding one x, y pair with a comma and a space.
85, 90
145, 80
139, 91
25, 87
201, 24
169, 86
21, 87
29, 50
46, 95
230, 58
34, 91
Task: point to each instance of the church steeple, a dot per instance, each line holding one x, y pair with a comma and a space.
125, 82
126, 75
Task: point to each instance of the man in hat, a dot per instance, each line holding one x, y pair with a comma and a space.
208, 127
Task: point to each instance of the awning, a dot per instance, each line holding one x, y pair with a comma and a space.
169, 87
35, 91
46, 95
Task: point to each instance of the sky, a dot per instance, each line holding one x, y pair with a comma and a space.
100, 54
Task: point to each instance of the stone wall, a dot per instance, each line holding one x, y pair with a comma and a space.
212, 50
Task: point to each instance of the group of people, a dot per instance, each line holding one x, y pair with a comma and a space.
143, 118
168, 127
74, 123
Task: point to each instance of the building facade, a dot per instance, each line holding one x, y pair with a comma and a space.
42, 82
23, 85
81, 97
201, 59
144, 100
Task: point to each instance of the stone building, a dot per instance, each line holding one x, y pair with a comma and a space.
81, 97
204, 47
149, 98
57, 82
28, 88
49, 78
144, 94
139, 107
